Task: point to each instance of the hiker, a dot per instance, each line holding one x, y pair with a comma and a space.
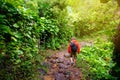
73, 48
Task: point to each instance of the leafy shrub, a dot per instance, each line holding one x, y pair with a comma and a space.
54, 24
22, 30
18, 43
95, 18
95, 61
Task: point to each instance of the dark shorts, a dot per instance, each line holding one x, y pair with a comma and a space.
73, 54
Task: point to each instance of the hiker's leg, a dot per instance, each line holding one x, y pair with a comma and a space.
75, 56
71, 57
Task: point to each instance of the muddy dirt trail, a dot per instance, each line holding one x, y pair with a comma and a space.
61, 68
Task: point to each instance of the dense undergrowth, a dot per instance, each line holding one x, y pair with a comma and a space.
27, 28
95, 17
96, 60
100, 27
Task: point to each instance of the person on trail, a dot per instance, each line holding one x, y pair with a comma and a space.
73, 48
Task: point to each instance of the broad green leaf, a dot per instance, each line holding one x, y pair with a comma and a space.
5, 29
13, 38
16, 25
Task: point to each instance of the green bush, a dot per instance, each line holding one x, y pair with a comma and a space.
95, 18
26, 27
96, 61
18, 43
54, 24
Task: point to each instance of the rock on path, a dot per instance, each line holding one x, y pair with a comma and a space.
61, 68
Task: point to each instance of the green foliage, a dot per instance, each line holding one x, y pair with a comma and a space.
95, 61
104, 1
54, 24
26, 27
94, 17
18, 43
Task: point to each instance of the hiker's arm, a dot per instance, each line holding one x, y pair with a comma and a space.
78, 48
69, 49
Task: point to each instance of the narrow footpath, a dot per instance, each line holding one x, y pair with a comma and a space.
60, 67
